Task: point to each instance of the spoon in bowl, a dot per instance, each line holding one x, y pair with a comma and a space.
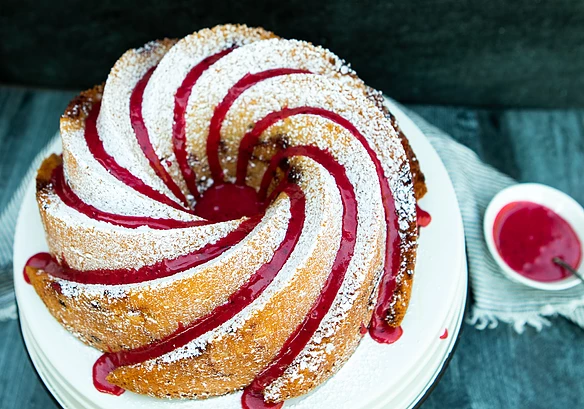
568, 267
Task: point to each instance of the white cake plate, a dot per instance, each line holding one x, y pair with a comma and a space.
376, 376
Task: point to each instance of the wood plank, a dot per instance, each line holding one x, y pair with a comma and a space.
28, 120
20, 387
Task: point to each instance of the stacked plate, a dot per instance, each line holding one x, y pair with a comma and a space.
377, 376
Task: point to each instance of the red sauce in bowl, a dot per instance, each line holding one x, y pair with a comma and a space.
528, 236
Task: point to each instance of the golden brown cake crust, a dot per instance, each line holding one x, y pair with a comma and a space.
226, 365
418, 178
150, 313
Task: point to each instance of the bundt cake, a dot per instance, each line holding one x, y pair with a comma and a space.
231, 210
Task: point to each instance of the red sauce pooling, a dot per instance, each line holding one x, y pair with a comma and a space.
144, 139
528, 236
226, 201
101, 369
181, 100
444, 334
237, 301
38, 261
423, 218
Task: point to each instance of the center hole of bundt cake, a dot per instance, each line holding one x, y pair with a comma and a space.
228, 201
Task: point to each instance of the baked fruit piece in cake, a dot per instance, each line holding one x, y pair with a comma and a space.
230, 211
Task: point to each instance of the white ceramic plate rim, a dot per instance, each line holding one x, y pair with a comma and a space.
544, 195
437, 287
412, 393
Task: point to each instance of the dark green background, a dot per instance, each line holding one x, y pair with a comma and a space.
491, 53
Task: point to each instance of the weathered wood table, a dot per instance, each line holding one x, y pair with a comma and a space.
491, 368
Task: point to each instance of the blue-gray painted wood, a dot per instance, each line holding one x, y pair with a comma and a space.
489, 53
490, 369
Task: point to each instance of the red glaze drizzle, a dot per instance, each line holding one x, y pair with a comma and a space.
379, 323
97, 149
363, 329
215, 210
423, 218
244, 296
380, 331
181, 100
444, 334
255, 400
144, 139
70, 199
160, 269
304, 332
221, 110
31, 262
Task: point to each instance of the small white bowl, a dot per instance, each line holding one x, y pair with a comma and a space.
544, 195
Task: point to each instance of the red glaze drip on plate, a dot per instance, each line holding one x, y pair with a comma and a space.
38, 261
444, 334
181, 99
101, 369
528, 236
252, 400
380, 331
423, 218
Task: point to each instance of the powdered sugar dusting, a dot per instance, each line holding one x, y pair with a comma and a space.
158, 106
332, 86
96, 186
320, 197
256, 57
114, 125
133, 248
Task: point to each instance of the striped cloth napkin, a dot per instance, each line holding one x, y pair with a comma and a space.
495, 298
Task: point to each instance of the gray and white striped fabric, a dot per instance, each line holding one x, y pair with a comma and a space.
495, 298
7, 225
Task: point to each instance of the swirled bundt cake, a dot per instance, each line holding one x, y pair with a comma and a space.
231, 210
